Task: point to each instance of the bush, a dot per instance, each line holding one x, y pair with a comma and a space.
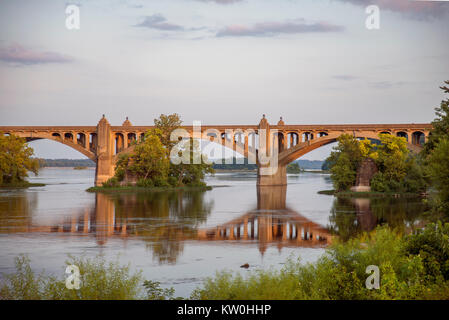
111, 183
145, 183
99, 281
340, 273
432, 245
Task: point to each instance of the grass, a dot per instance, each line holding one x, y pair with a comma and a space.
99, 280
408, 269
80, 168
21, 185
370, 194
125, 189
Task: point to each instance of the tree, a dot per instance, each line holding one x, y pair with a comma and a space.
15, 160
183, 173
440, 124
344, 161
166, 125
190, 173
438, 165
149, 162
391, 156
293, 168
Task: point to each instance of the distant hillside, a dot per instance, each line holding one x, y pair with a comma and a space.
310, 164
66, 163
304, 164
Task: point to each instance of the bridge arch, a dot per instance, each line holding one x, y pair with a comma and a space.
305, 147
68, 140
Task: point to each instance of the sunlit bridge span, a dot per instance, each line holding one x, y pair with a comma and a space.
103, 143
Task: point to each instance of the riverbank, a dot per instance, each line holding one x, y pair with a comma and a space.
146, 189
370, 194
21, 185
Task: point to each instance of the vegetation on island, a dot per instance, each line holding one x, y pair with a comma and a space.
15, 162
294, 168
398, 170
149, 165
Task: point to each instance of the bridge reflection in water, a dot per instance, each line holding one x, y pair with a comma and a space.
271, 223
166, 220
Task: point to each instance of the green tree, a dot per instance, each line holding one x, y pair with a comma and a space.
190, 173
183, 173
438, 164
440, 124
166, 124
344, 161
293, 168
390, 157
15, 160
149, 162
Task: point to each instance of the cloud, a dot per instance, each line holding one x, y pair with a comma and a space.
386, 84
222, 1
344, 77
416, 9
18, 54
159, 22
268, 29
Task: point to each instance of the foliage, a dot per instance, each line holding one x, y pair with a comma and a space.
155, 292
398, 171
440, 124
432, 245
189, 173
149, 164
391, 157
184, 173
294, 168
344, 160
149, 161
15, 160
340, 273
99, 281
438, 164
166, 124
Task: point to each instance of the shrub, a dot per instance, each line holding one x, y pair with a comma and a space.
111, 183
99, 281
340, 273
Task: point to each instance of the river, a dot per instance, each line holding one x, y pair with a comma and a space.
179, 238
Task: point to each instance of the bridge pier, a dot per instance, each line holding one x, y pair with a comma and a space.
278, 178
105, 152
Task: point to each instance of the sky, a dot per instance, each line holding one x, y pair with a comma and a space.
220, 62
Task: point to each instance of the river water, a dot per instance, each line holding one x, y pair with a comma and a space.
179, 238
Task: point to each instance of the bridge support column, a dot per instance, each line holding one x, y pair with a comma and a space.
279, 178
105, 152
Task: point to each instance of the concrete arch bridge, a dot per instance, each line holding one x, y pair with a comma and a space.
103, 143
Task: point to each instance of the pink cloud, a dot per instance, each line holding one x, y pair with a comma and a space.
417, 9
265, 29
18, 54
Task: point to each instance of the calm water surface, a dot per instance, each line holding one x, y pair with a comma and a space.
179, 238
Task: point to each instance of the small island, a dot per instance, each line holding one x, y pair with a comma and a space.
80, 168
147, 167
363, 168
